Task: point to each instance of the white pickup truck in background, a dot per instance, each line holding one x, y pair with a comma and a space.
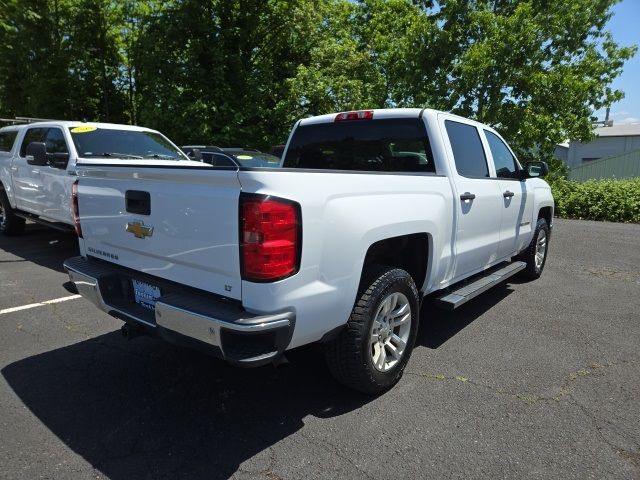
38, 163
370, 212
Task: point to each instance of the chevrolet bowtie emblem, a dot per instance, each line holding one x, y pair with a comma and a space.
139, 229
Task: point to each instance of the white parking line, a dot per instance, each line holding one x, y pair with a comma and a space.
39, 304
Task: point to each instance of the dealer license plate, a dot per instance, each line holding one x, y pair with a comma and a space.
145, 294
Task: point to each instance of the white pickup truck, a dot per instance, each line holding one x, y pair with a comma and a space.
369, 212
38, 163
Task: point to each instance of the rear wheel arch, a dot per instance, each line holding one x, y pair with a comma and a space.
408, 252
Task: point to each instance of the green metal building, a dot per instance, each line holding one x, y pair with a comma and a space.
626, 165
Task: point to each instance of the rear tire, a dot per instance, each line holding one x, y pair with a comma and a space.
10, 224
535, 256
370, 354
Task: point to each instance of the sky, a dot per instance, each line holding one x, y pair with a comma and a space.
624, 25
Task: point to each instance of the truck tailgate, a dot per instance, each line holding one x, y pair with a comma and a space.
179, 224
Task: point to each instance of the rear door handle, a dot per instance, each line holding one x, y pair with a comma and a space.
508, 194
467, 196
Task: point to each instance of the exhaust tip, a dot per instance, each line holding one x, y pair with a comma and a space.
130, 332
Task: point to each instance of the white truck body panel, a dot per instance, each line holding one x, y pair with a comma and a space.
194, 214
342, 216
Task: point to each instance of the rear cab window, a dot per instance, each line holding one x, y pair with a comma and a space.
384, 145
7, 139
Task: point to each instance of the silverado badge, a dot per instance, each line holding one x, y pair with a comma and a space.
139, 229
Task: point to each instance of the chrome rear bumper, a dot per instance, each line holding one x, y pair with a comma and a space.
183, 315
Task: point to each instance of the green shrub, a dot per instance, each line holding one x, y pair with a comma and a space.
609, 199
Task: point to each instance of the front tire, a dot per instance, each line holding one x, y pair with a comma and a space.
535, 256
10, 223
370, 354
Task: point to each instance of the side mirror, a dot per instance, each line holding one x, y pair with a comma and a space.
536, 169
197, 154
37, 154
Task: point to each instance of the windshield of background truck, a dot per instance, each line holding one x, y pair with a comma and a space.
387, 145
96, 142
255, 159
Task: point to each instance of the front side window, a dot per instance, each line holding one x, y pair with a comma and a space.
468, 153
503, 159
388, 145
6, 140
94, 142
32, 135
55, 142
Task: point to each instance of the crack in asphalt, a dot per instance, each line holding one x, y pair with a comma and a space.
333, 449
526, 397
624, 454
565, 393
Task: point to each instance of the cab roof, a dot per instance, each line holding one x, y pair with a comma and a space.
382, 113
378, 113
72, 124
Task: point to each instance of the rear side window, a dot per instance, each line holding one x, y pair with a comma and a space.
389, 145
467, 149
7, 139
32, 135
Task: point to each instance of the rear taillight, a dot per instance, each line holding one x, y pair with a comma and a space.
74, 209
359, 115
270, 237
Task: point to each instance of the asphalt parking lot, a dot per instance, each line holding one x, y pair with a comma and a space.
532, 380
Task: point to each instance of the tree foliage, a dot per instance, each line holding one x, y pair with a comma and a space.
240, 72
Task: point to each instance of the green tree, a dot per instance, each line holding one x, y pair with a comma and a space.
94, 33
216, 71
60, 60
34, 66
240, 72
534, 69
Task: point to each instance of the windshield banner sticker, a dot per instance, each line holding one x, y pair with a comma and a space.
83, 129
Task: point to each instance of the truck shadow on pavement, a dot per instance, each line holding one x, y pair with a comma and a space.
146, 409
437, 325
41, 245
